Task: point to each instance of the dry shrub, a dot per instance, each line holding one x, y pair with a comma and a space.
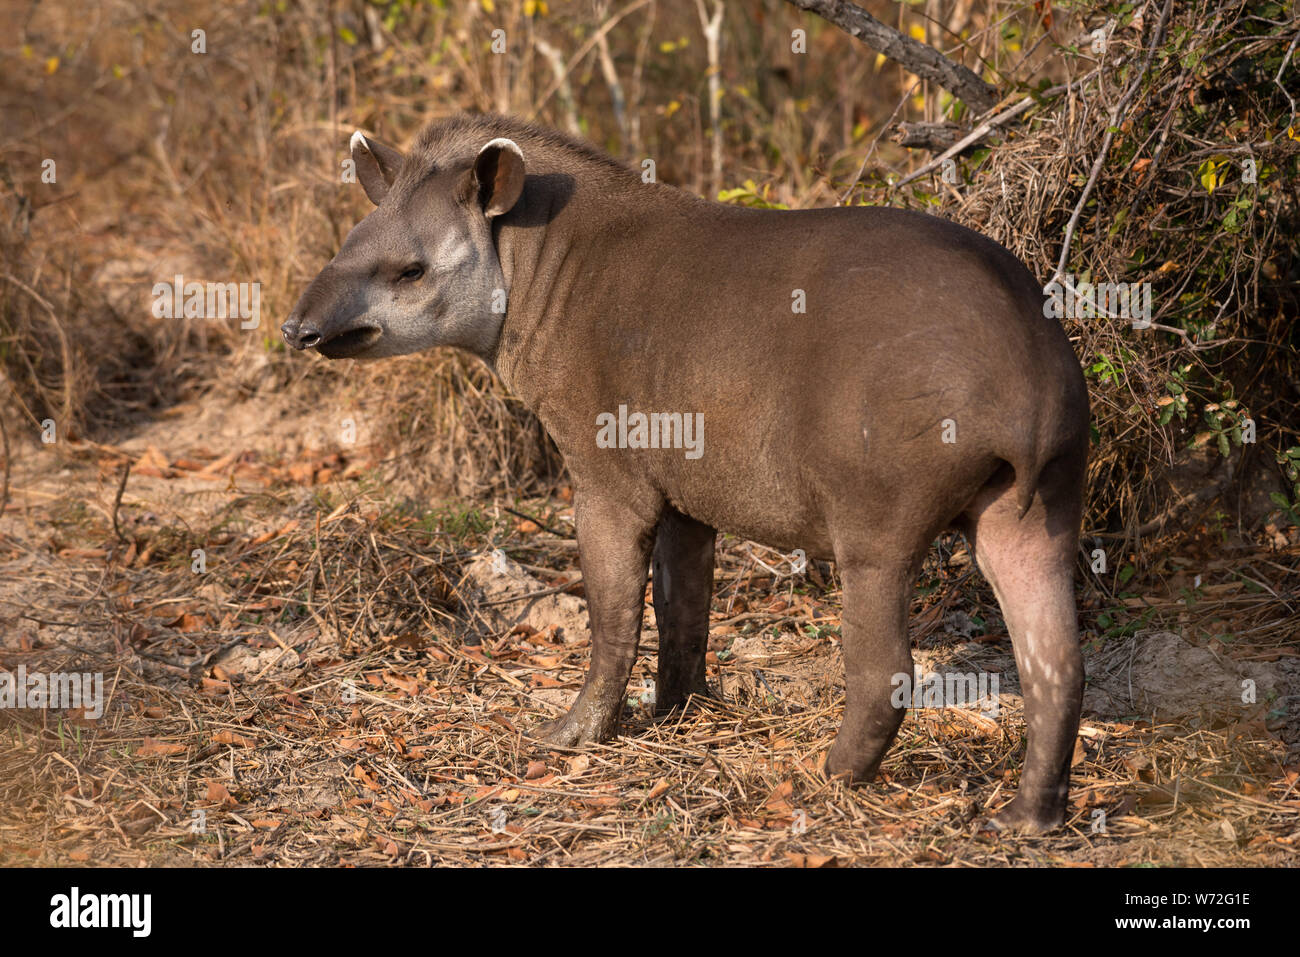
66, 353
458, 430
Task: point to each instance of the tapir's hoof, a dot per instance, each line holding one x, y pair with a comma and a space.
1020, 818
849, 771
575, 729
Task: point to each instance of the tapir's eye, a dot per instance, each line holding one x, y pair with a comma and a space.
411, 273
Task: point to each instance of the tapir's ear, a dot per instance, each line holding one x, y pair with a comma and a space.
499, 173
377, 165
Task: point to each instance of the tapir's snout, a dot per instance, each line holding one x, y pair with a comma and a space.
335, 327
343, 342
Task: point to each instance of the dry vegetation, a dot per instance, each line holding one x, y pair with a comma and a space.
337, 687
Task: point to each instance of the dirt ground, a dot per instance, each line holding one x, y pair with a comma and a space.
347, 680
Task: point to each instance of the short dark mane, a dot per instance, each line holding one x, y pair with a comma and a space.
457, 139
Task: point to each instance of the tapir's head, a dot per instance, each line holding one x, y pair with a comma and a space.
422, 269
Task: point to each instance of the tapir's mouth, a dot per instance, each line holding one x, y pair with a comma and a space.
350, 342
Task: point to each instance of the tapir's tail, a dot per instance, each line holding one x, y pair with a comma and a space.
1055, 425
1058, 428
1027, 472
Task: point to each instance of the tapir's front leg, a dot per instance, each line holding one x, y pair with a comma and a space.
614, 542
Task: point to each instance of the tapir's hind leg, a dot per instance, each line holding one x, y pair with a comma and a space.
683, 591
1029, 562
876, 650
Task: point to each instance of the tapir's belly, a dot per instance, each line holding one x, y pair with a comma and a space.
830, 472
758, 468
750, 505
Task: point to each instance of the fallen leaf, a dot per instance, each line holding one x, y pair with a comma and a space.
367, 779
578, 763
215, 688
403, 683
812, 860
779, 800
186, 623
218, 794
231, 738
267, 536
539, 680
157, 749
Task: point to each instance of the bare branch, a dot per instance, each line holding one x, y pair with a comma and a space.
925, 61
974, 136
927, 136
712, 27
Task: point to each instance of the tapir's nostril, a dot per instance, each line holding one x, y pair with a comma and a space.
299, 335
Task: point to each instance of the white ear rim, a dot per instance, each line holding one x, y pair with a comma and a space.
358, 141
502, 142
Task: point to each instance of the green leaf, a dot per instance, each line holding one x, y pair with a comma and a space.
1211, 173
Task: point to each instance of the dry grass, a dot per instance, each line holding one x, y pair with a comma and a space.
323, 569
357, 725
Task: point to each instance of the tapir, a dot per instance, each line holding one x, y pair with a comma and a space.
854, 381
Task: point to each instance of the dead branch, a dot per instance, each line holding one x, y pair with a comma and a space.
925, 61
926, 136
